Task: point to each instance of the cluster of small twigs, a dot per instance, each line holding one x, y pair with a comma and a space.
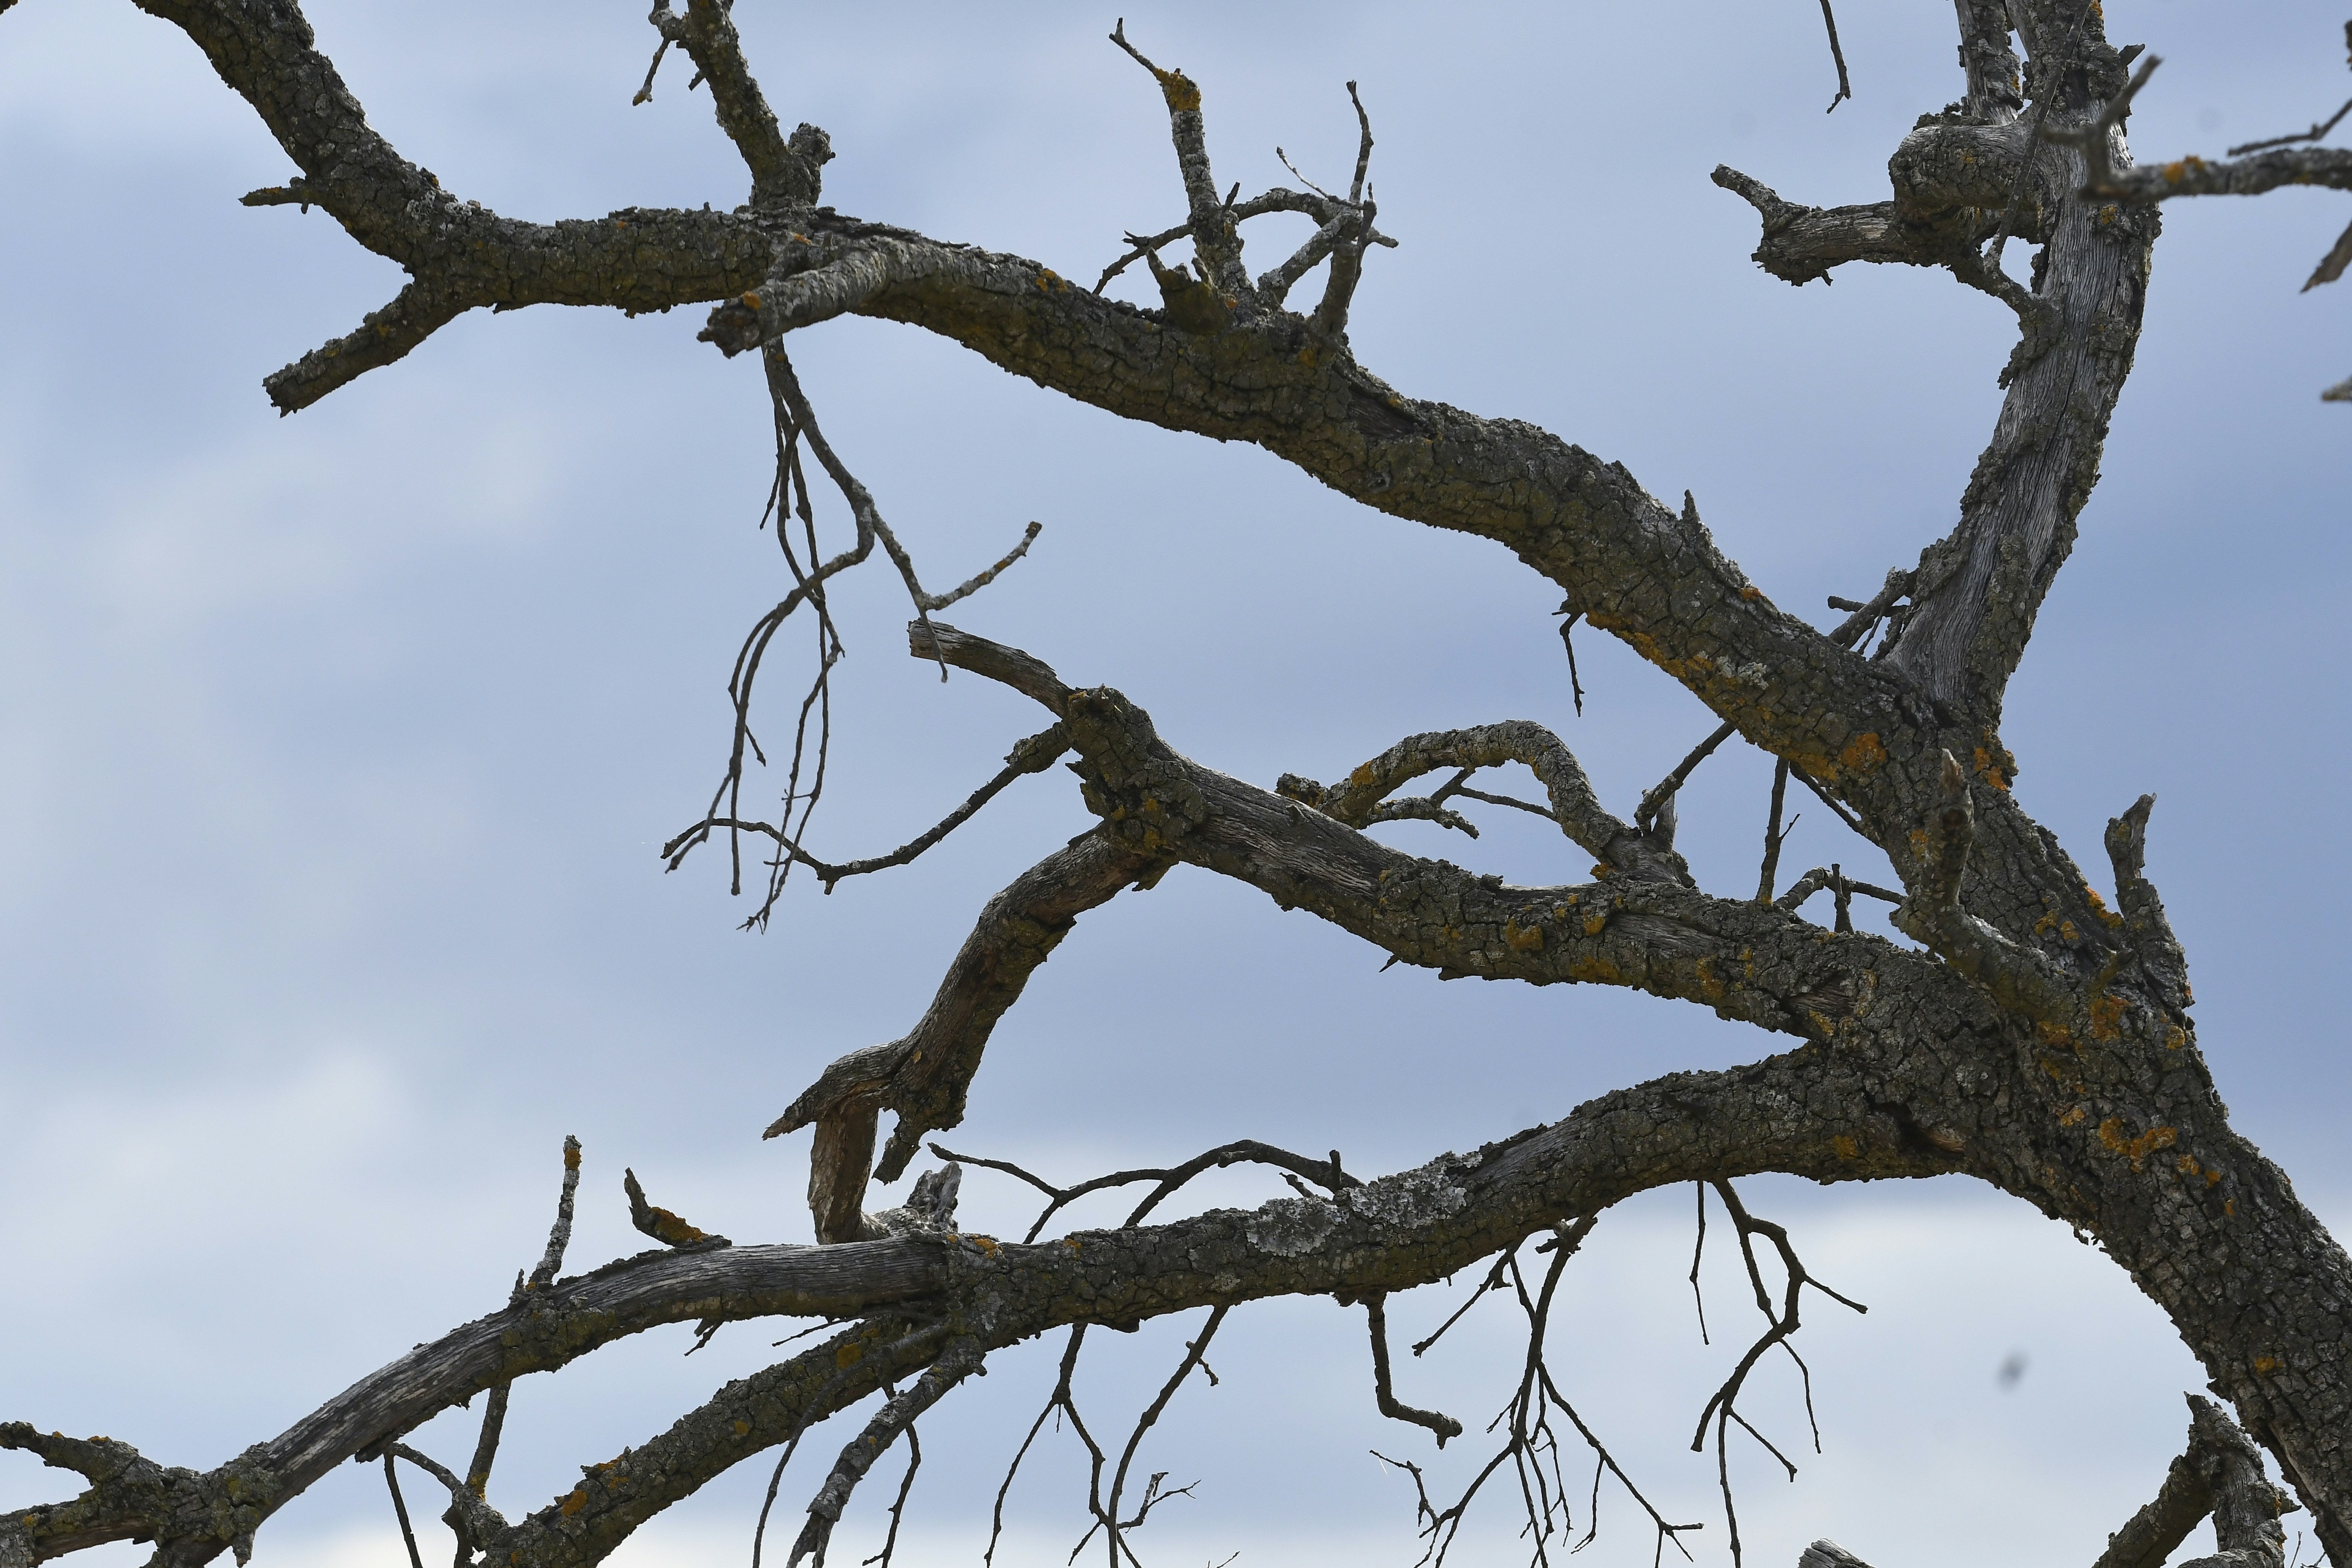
789, 499
1103, 1505
1325, 1174
1780, 1322
1530, 1443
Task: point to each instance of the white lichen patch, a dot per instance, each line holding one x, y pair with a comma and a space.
1409, 1200
1289, 1227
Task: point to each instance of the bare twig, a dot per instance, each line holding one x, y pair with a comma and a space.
1034, 754
1383, 1394
550, 1263
899, 1504
1774, 836
1108, 1516
1845, 87
1568, 641
400, 1509
1646, 813
1326, 1173
1495, 1281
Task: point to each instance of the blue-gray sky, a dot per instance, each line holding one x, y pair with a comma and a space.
334, 750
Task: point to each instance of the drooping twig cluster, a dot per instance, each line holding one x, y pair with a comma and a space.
1530, 1443
1780, 1323
789, 499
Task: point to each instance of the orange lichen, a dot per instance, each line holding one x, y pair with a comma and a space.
987, 1244
572, 1156
1845, 1146
750, 300
1522, 938
1988, 770
1362, 777
574, 1503
742, 1428
2073, 1115
2107, 1010
1751, 593
2111, 1133
1594, 922
1863, 752
848, 1355
2267, 1364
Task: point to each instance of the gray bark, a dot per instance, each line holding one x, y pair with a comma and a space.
2041, 1043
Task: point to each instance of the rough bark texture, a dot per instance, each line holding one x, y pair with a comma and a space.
2038, 1042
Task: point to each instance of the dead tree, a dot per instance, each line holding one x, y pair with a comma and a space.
2035, 1038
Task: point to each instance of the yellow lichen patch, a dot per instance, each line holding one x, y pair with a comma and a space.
1595, 922
1362, 777
1522, 938
1596, 971
1919, 842
2046, 924
2066, 929
2055, 1034
1048, 281
1845, 1146
2175, 173
2175, 1038
2267, 1364
574, 1503
2212, 1178
987, 1244
1307, 356
1988, 770
571, 1157
1177, 90
1751, 593
2073, 1115
2186, 1165
742, 1428
2106, 1013
750, 300
1071, 1242
1863, 752
1710, 985
848, 1355
2111, 1133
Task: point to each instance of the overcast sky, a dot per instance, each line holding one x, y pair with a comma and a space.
334, 750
